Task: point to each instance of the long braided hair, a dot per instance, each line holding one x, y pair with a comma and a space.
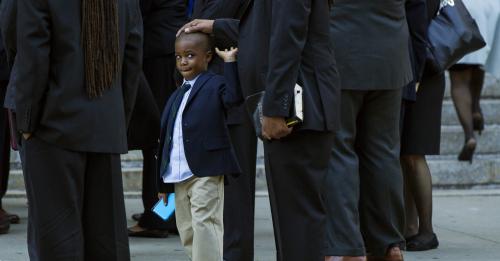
101, 44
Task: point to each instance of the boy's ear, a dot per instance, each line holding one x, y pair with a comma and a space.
210, 55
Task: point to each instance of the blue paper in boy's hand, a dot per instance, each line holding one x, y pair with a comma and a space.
165, 211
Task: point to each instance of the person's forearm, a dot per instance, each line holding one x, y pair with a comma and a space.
226, 32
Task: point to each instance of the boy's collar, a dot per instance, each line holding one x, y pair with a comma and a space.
192, 82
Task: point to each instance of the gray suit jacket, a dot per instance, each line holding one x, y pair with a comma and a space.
371, 40
51, 100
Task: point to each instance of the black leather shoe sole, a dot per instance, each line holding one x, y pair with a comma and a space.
149, 233
418, 245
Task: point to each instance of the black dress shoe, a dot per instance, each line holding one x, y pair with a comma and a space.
136, 216
4, 224
467, 152
417, 244
149, 233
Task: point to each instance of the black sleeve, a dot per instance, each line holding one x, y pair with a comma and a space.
226, 32
33, 39
214, 9
231, 91
416, 15
289, 30
8, 28
132, 62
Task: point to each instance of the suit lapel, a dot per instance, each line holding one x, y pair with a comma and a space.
197, 86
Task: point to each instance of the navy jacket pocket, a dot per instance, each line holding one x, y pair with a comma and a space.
216, 143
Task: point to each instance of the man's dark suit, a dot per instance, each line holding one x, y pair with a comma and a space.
282, 43
4, 123
162, 19
72, 161
364, 164
239, 199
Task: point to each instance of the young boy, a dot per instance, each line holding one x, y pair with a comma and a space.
195, 150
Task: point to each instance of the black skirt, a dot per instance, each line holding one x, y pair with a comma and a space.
421, 123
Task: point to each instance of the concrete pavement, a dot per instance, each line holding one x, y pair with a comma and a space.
466, 222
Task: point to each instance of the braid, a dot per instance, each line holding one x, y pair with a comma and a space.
100, 40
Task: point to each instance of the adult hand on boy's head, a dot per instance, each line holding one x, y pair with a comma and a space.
227, 55
198, 25
164, 197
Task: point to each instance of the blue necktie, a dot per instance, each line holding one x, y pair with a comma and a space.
190, 8
170, 127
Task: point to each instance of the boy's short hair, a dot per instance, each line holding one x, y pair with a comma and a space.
202, 38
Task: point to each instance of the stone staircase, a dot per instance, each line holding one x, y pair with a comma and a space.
446, 170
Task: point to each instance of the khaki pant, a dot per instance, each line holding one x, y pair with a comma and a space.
199, 205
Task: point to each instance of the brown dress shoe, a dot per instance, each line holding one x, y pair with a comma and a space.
4, 224
13, 218
393, 254
345, 258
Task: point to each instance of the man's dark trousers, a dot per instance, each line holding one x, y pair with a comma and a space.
239, 199
365, 164
4, 145
88, 184
159, 72
298, 215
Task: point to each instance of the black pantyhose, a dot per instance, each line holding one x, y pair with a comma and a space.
418, 196
466, 87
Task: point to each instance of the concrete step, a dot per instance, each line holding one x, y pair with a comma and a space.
446, 172
489, 107
491, 88
452, 140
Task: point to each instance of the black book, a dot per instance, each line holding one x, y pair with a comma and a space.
254, 102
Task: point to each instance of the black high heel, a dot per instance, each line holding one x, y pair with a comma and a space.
467, 152
478, 122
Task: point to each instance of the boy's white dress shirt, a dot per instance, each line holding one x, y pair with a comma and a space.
178, 169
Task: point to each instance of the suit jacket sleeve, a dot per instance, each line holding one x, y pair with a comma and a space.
231, 90
213, 9
8, 28
289, 30
416, 15
132, 63
226, 32
33, 39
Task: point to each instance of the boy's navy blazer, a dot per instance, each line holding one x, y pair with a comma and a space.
206, 138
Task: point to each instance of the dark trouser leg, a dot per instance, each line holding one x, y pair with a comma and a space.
4, 143
342, 184
76, 208
104, 222
149, 220
296, 167
159, 72
55, 188
239, 199
378, 146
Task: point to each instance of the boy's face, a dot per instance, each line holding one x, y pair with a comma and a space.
191, 57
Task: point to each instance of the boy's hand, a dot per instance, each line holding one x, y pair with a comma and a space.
164, 197
228, 56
